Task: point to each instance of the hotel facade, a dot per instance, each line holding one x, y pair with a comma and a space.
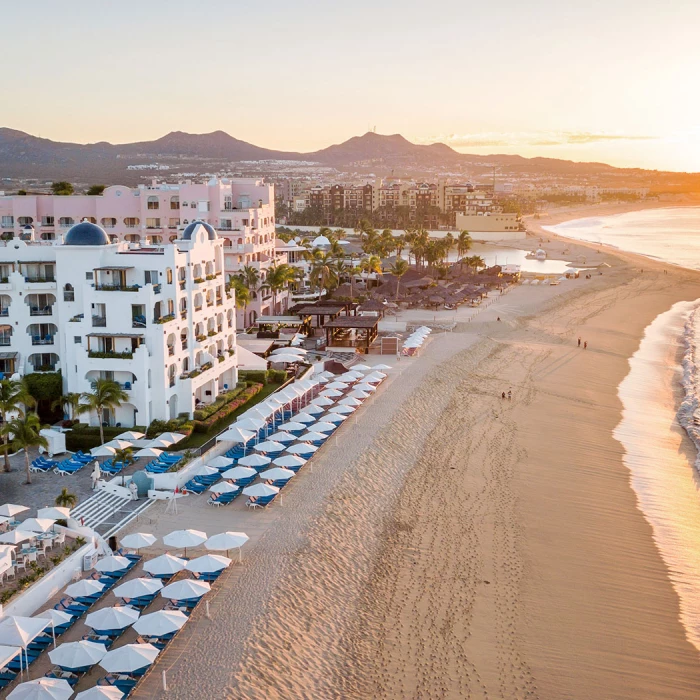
156, 319
241, 210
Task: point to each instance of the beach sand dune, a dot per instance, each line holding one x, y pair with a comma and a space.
457, 545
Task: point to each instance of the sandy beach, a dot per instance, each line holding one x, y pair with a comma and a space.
451, 544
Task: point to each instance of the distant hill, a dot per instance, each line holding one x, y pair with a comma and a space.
24, 155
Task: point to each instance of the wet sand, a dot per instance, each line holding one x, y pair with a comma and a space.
455, 545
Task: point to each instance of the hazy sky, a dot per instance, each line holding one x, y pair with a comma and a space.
609, 80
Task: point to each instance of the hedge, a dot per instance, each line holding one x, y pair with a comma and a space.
84, 437
175, 425
204, 426
221, 400
45, 388
262, 376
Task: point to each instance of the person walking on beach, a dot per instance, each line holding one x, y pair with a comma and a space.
585, 344
579, 342
510, 394
503, 394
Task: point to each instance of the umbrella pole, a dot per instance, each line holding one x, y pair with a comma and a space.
240, 556
53, 634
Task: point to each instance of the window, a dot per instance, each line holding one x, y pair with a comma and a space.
8, 221
173, 223
169, 276
174, 202
66, 221
185, 204
77, 339
89, 276
152, 223
131, 222
153, 203
109, 222
25, 220
47, 220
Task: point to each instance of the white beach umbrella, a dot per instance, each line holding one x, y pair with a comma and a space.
224, 541
149, 452
331, 393
138, 588
380, 367
412, 344
350, 401
115, 618
289, 461
375, 376
293, 425
164, 564
138, 540
8, 653
240, 472
103, 451
313, 436
129, 658
288, 350
314, 410
37, 524
333, 417
208, 564
277, 473
112, 563
187, 589
16, 536
287, 359
42, 689
101, 692
220, 462
9, 510
56, 617
327, 374
303, 418
322, 401
321, 379
160, 623
361, 368
276, 401
172, 438
130, 435
282, 437
236, 435
73, 655
182, 539
204, 470
259, 490
53, 513
350, 376
17, 631
358, 394
85, 587
344, 409
118, 444
301, 448
224, 487
254, 460
335, 385
159, 444
365, 386
269, 446
321, 427
250, 424
261, 411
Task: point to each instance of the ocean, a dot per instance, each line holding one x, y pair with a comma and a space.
661, 397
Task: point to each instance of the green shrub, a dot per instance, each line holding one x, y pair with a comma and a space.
204, 426
221, 400
259, 376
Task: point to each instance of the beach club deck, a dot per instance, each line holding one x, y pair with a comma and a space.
351, 332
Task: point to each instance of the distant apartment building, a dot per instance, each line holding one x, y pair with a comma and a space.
241, 210
154, 318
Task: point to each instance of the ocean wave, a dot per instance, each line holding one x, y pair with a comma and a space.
688, 413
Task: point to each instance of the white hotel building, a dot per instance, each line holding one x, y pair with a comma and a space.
242, 210
156, 319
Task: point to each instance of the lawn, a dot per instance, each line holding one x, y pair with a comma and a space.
198, 439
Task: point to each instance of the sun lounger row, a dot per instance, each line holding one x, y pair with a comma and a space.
162, 464
41, 464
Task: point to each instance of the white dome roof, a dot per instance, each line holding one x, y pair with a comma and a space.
321, 240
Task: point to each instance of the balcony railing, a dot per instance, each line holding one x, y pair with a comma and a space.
172, 381
36, 311
183, 314
156, 288
5, 311
38, 279
99, 321
164, 319
117, 287
4, 340
171, 350
184, 345
36, 340
111, 354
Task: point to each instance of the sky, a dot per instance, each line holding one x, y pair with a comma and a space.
602, 80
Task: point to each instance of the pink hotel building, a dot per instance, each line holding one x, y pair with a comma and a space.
241, 210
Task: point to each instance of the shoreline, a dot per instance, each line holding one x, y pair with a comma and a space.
459, 546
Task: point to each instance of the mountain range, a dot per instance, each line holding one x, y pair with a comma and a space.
25, 156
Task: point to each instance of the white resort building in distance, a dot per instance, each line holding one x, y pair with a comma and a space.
242, 210
155, 318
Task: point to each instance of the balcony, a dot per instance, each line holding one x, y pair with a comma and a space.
171, 350
164, 319
172, 381
183, 314
99, 321
36, 279
5, 340
117, 287
48, 340
156, 288
111, 355
45, 311
184, 345
5, 311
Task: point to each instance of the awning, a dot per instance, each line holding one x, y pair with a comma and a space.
114, 267
8, 355
115, 335
249, 360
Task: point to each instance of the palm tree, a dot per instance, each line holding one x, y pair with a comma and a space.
476, 262
124, 455
370, 265
464, 244
278, 278
399, 269
70, 401
322, 274
250, 276
105, 394
25, 434
14, 398
241, 294
65, 499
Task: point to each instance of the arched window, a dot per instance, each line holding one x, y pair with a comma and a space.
68, 293
153, 203
174, 202
169, 275
108, 222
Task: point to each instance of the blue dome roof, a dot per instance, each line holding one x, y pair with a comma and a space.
86, 233
189, 230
